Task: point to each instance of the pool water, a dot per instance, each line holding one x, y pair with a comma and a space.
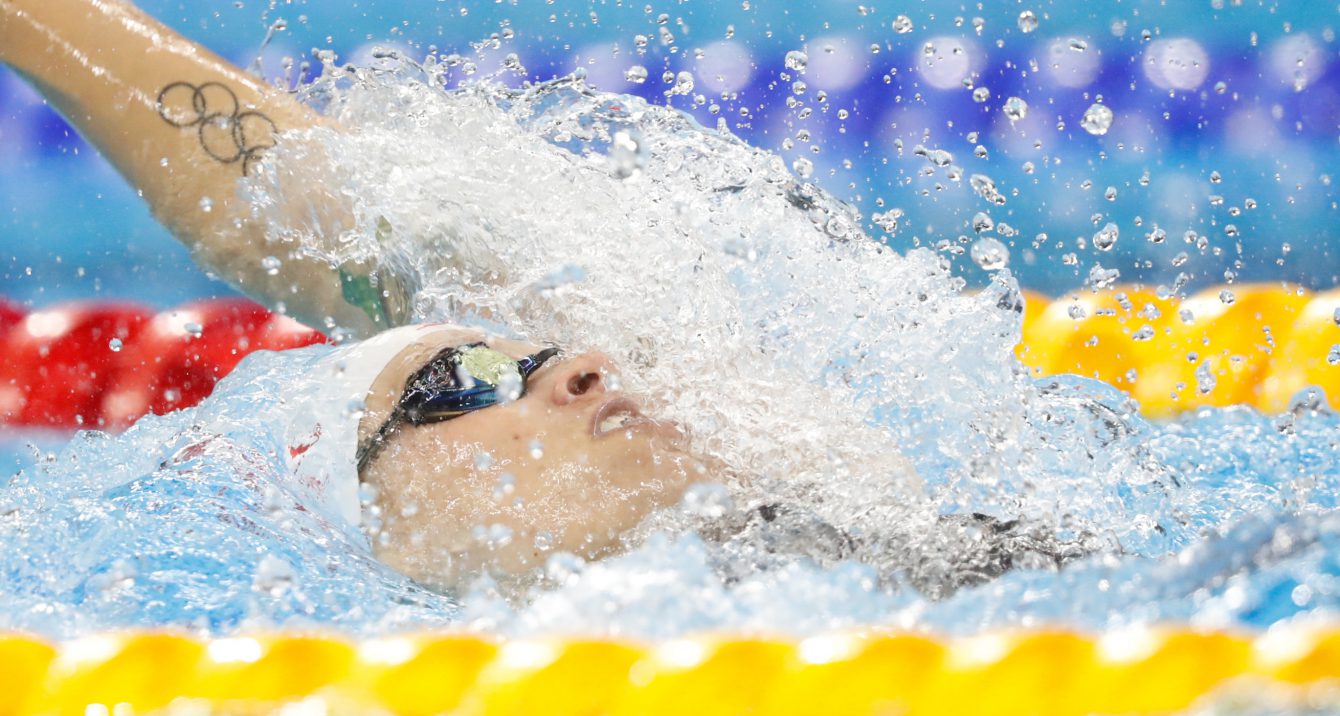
902, 468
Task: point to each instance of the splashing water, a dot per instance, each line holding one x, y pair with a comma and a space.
887, 458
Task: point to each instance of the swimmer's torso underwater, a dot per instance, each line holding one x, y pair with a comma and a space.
759, 417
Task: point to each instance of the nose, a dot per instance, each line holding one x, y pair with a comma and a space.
582, 375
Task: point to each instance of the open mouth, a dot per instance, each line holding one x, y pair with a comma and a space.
615, 415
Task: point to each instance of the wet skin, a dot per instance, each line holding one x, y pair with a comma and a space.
569, 467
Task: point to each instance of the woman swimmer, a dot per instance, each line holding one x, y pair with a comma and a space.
449, 414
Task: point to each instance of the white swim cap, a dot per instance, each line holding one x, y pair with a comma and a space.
321, 438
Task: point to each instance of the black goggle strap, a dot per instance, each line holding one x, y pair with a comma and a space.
530, 364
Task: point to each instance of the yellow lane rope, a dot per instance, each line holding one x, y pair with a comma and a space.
1252, 344
1039, 672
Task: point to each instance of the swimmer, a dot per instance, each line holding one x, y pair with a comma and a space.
456, 431
460, 431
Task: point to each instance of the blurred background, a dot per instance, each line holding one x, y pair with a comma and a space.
1210, 158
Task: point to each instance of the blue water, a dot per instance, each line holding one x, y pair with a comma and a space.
1224, 518
181, 521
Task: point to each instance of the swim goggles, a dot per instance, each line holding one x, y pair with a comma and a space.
459, 380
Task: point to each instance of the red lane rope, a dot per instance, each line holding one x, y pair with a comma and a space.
102, 365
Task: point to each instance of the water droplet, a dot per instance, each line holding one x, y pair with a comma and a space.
1157, 236
494, 536
1028, 21
1334, 356
1227, 297
903, 25
1110, 193
536, 449
981, 221
273, 576
1216, 177
1015, 108
1145, 333
938, 157
114, 345
504, 487
206, 204
1097, 120
483, 460
707, 500
1205, 380
985, 187
271, 265
1106, 237
989, 253
1101, 278
194, 329
797, 60
1078, 44
981, 94
510, 386
637, 74
803, 167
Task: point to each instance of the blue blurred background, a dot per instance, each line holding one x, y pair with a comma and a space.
1226, 124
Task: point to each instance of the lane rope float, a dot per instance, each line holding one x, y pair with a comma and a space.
1052, 672
101, 365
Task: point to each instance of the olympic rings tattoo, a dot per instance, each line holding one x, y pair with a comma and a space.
227, 134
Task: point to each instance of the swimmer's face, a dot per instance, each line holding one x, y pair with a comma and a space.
568, 467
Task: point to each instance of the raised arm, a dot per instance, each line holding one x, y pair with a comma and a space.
183, 126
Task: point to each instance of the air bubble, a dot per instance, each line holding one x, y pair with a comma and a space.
1015, 109
797, 60
903, 25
